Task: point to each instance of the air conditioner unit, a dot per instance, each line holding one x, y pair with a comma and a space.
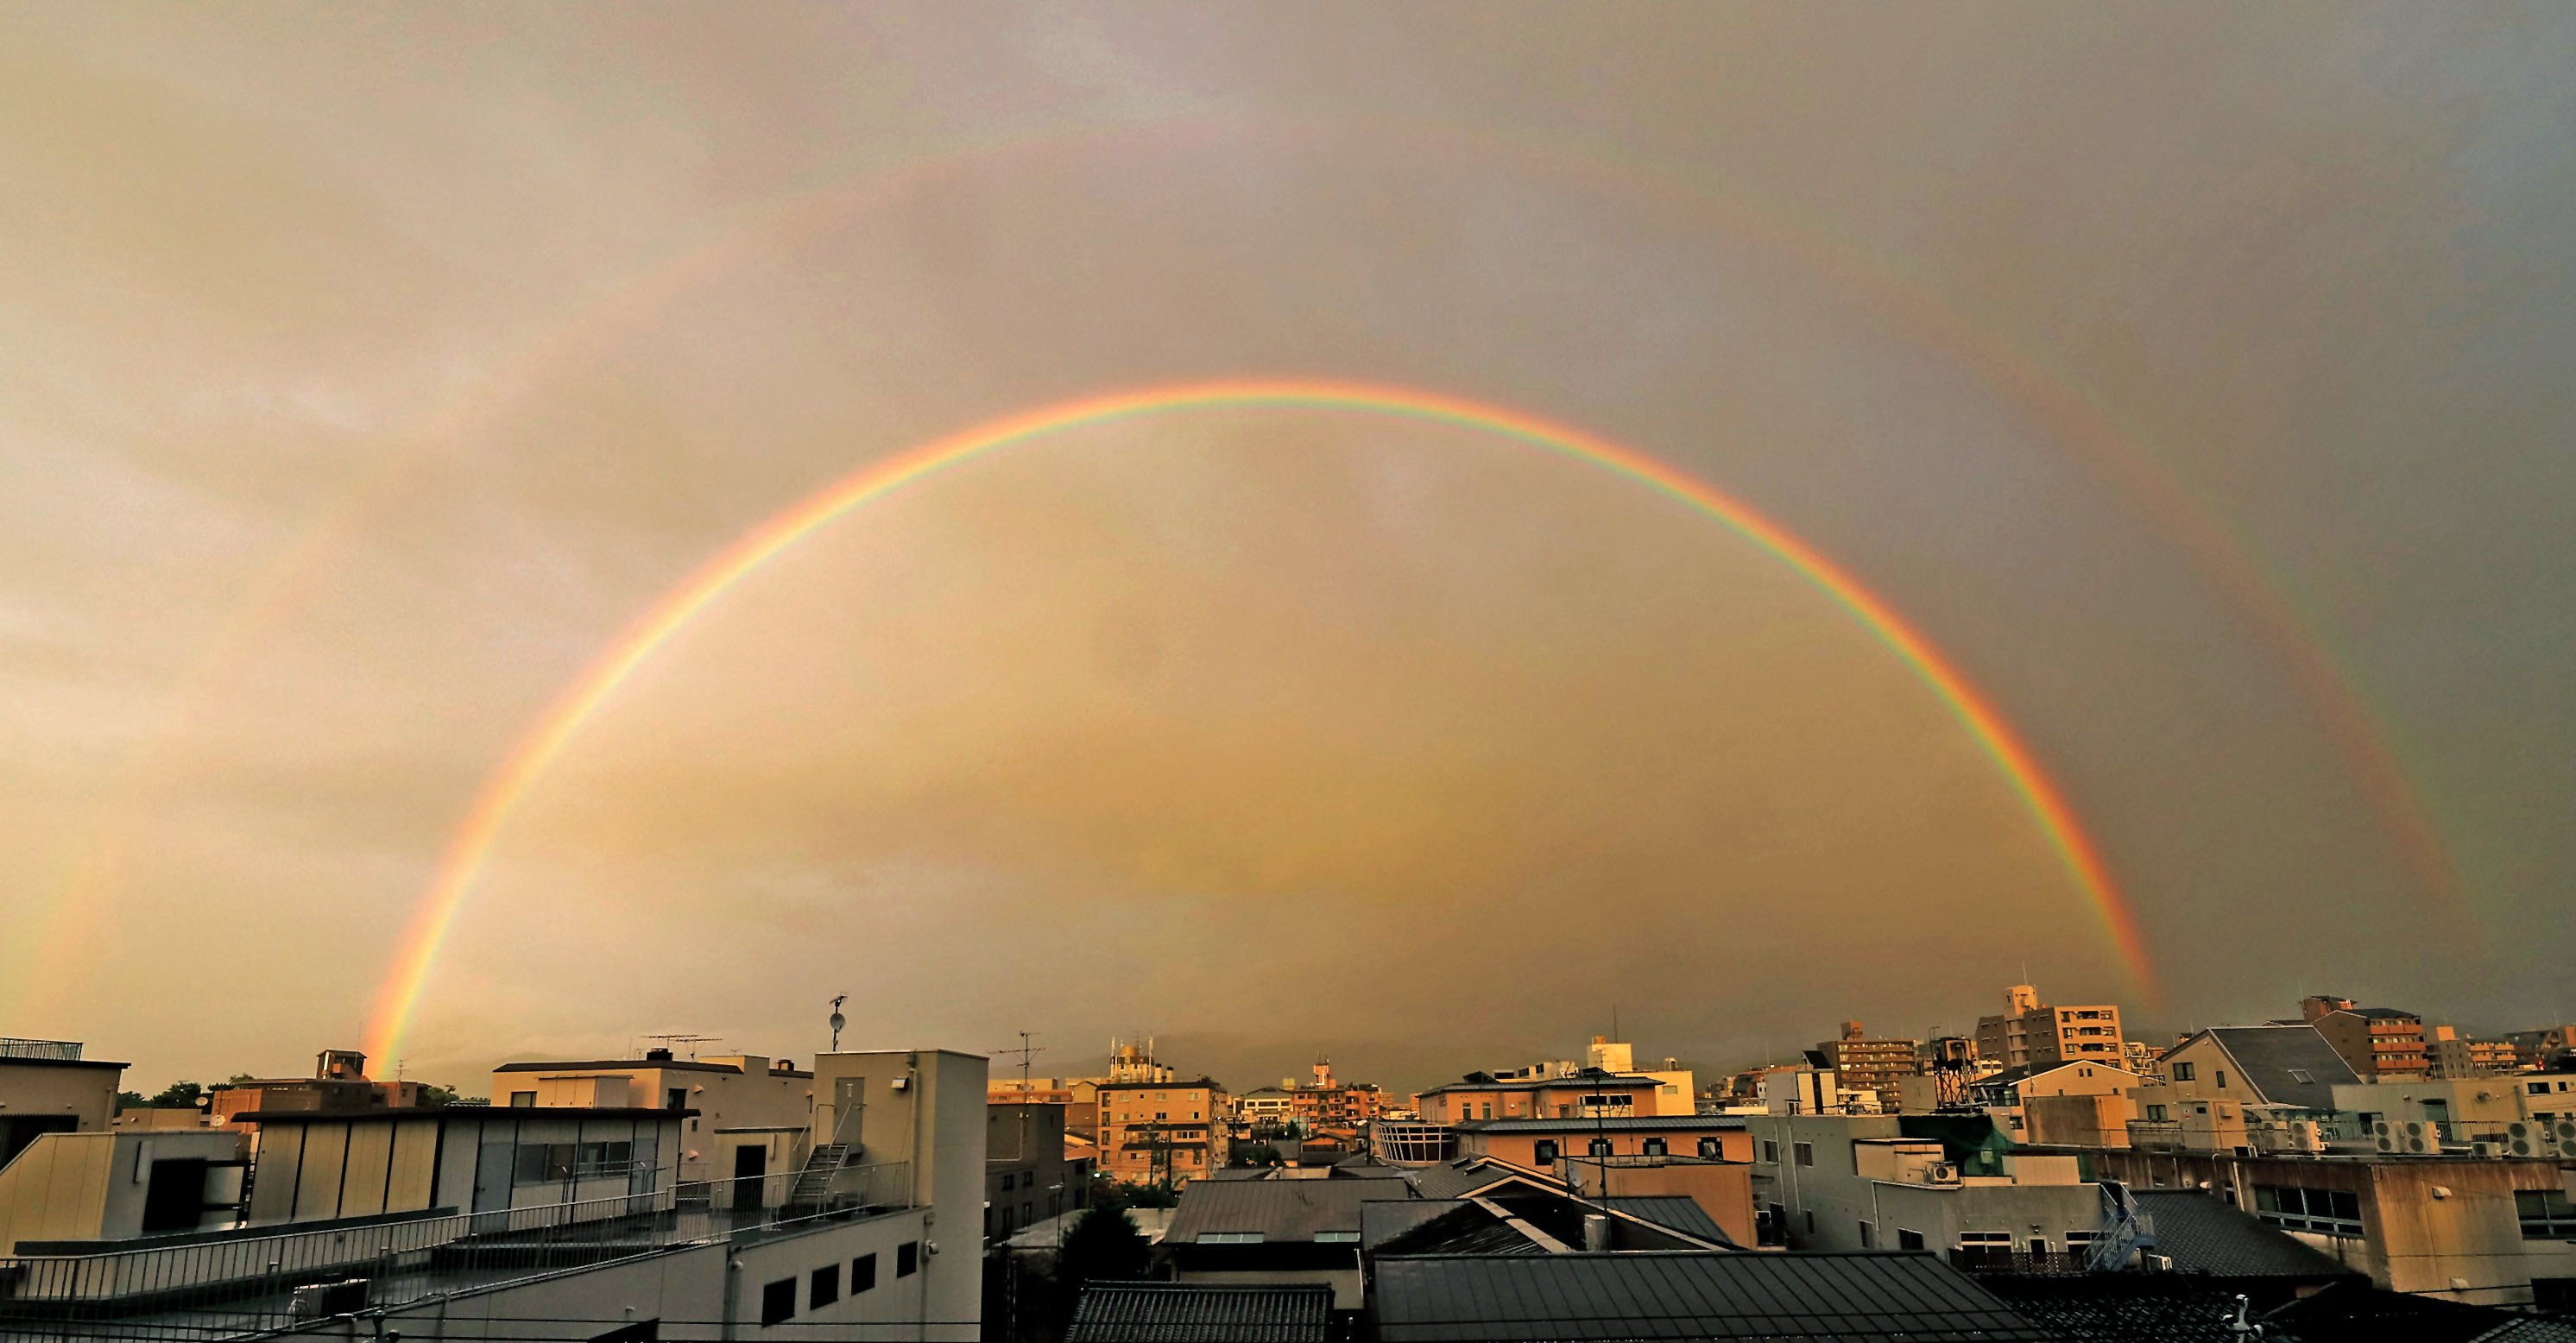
1941, 1172
2487, 1149
2564, 1130
2307, 1136
2387, 1138
2418, 1140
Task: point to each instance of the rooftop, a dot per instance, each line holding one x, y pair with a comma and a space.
621, 1065
2288, 1065
1277, 1210
2203, 1234
1688, 1295
1156, 1312
1607, 1124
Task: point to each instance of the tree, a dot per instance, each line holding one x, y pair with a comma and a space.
129, 1100
1104, 1246
433, 1095
179, 1096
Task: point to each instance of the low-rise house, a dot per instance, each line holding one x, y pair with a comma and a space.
1591, 1091
339, 1084
735, 1101
1267, 1231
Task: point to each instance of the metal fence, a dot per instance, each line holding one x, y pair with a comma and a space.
267, 1278
47, 1051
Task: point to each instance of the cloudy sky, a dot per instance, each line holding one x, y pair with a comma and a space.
2199, 381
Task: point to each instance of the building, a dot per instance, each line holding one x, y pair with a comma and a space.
1585, 1092
1245, 1232
1864, 1064
339, 1083
1676, 1091
2449, 1054
1866, 1298
470, 1222
2542, 1049
1160, 1132
1865, 1182
1026, 1176
734, 1101
2460, 1228
47, 1087
2378, 1042
2029, 1031
1706, 1158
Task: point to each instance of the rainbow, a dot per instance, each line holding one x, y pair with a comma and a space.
545, 742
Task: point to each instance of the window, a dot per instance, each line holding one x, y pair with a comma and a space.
1811, 1223
778, 1302
1655, 1147
1543, 1152
2325, 1212
1711, 1149
677, 1098
1908, 1240
523, 1100
863, 1274
824, 1288
2182, 1072
2535, 1088
1770, 1152
1985, 1240
2546, 1214
1488, 1108
907, 1259
1864, 1237
1598, 1147
1337, 1238
1229, 1238
2221, 1074
2296, 1075
2155, 1114
1806, 1153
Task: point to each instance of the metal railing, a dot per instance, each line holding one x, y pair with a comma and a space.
48, 1051
2019, 1263
260, 1279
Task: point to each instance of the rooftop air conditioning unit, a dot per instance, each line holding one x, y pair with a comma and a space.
1941, 1172
2487, 1149
2417, 1139
2385, 1136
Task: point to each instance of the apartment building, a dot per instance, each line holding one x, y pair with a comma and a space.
1865, 1182
1026, 1176
2448, 1055
2029, 1032
2384, 1043
734, 1102
1676, 1089
2545, 1048
1160, 1132
1863, 1064
1482, 1095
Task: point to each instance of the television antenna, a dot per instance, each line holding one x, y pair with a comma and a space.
674, 1041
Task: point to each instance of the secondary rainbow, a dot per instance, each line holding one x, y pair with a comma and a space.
528, 761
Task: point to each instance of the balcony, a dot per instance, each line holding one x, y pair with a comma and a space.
2019, 1263
262, 1280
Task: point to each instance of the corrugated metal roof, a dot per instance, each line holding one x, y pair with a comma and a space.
1713, 1295
1280, 1210
1152, 1312
1678, 1212
2202, 1234
1611, 1124
2267, 1055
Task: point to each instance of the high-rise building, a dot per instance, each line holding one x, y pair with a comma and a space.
2453, 1055
1864, 1064
2029, 1032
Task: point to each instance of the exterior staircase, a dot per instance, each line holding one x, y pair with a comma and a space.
814, 1183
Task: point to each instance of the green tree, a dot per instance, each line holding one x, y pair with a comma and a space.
432, 1095
129, 1100
1103, 1246
180, 1096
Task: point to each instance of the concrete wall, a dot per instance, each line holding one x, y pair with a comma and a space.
84, 1091
92, 1186
924, 1107
757, 1098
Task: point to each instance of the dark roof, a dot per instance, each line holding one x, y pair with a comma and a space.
1688, 1295
2360, 1313
2202, 1234
1589, 1077
1607, 1124
1674, 1212
14, 1061
1457, 1179
1439, 1226
1157, 1312
2132, 1307
2265, 1055
1281, 1210
667, 1065
1177, 1084
2384, 1013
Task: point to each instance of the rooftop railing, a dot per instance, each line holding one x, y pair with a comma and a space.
265, 1279
49, 1051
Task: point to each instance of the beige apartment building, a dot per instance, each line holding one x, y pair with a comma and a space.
1160, 1132
2028, 1032
737, 1100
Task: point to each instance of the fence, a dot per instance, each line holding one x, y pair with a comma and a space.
44, 1051
266, 1278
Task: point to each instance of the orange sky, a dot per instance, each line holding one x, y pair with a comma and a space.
363, 372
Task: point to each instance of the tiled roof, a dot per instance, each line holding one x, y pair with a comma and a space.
2202, 1234
1439, 1226
2129, 1308
1153, 1312
1457, 1179
1280, 1210
2268, 1055
1692, 1295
